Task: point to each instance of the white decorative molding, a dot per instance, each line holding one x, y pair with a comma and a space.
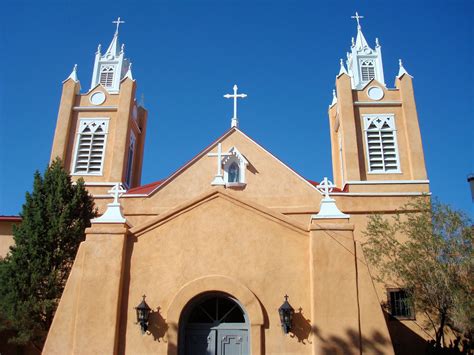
375, 93
113, 213
97, 98
94, 108
328, 208
387, 182
381, 193
377, 103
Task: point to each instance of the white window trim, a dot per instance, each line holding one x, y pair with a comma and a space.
78, 134
374, 64
395, 140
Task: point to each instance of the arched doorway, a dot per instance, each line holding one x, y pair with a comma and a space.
214, 324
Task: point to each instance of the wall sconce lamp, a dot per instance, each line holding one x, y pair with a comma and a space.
143, 313
286, 315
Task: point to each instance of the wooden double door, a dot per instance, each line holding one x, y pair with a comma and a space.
216, 325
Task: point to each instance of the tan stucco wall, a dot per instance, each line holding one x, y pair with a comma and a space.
6, 237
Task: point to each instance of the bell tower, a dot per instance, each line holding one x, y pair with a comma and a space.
375, 135
100, 134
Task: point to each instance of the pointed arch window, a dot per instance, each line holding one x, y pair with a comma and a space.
131, 155
381, 144
107, 75
90, 146
367, 68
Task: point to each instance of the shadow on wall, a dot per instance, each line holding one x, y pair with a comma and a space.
301, 329
349, 344
405, 340
158, 326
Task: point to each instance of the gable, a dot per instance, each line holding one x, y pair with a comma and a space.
269, 182
241, 210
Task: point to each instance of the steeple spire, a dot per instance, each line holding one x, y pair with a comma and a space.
364, 63
111, 67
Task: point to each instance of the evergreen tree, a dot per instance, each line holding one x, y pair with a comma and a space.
34, 273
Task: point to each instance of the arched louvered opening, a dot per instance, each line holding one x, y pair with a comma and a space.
107, 75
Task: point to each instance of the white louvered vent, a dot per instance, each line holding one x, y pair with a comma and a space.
107, 75
367, 70
382, 150
90, 146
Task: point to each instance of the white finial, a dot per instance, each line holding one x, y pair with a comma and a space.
342, 69
219, 177
328, 208
235, 96
117, 191
122, 48
99, 47
402, 69
325, 187
129, 72
113, 213
73, 74
352, 42
357, 17
118, 22
377, 44
334, 98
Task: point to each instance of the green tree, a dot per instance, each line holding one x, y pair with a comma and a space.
34, 273
427, 249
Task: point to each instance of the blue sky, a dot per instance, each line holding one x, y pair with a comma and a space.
283, 54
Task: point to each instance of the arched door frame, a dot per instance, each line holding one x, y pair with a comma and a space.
184, 318
219, 284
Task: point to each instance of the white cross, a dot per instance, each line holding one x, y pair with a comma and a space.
325, 187
118, 22
219, 179
117, 191
357, 17
235, 96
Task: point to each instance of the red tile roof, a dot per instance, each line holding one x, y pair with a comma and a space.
10, 218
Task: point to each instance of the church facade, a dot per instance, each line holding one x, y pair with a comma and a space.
235, 243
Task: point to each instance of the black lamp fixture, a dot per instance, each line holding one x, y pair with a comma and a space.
286, 315
143, 313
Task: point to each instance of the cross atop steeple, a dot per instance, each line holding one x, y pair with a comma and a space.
357, 17
235, 96
118, 22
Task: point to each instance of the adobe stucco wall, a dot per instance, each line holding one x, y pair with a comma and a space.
6, 236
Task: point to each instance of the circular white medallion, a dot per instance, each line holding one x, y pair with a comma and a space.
375, 93
97, 98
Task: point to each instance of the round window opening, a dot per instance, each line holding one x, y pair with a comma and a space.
212, 322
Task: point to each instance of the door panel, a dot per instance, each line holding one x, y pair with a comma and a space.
200, 342
232, 342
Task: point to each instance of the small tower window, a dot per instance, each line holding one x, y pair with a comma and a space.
367, 68
90, 146
131, 154
107, 75
381, 144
